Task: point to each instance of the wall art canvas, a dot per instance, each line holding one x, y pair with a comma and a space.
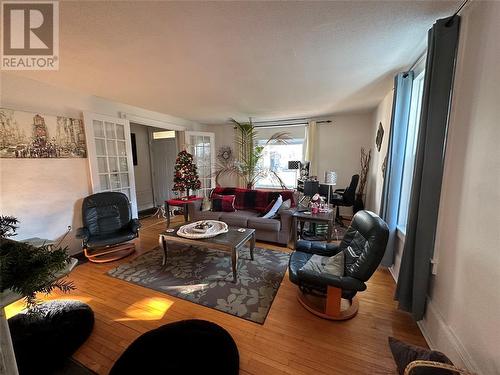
33, 135
380, 136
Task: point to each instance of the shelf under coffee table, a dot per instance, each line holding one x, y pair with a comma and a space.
232, 242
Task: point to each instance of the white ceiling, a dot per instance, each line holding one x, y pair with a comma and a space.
209, 61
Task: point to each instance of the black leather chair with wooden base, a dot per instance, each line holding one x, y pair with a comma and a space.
108, 226
334, 296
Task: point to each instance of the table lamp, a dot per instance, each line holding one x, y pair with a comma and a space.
330, 180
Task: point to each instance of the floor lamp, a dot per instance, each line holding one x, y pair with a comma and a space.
330, 180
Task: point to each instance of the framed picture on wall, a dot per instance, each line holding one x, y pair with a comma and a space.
380, 136
28, 135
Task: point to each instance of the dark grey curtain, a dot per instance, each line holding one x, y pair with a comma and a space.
395, 159
415, 271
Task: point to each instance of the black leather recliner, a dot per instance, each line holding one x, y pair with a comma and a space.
107, 225
363, 245
345, 197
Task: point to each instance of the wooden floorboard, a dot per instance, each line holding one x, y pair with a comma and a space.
291, 341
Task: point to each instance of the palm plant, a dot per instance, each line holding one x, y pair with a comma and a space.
248, 163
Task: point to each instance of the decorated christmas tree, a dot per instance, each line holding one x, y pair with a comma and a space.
186, 176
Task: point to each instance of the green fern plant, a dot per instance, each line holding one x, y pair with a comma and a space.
28, 270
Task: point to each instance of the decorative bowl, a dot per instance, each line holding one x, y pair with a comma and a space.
202, 227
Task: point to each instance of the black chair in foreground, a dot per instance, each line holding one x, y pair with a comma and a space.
107, 227
322, 291
345, 197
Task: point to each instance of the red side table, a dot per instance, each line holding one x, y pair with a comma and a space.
181, 202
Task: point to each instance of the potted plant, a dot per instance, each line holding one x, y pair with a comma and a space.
26, 270
247, 164
365, 167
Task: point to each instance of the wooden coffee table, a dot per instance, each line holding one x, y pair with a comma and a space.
232, 242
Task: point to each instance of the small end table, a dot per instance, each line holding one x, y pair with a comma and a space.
321, 217
181, 202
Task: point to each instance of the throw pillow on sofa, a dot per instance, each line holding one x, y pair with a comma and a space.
286, 205
223, 203
272, 211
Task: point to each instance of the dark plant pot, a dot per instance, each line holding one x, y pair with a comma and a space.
358, 203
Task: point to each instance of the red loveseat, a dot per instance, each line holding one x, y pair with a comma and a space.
249, 205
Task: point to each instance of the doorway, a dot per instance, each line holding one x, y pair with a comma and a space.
154, 151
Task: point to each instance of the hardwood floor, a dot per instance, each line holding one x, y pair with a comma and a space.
291, 341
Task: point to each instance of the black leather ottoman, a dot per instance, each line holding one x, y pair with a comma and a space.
186, 347
42, 342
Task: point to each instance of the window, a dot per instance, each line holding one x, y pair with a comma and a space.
276, 158
410, 149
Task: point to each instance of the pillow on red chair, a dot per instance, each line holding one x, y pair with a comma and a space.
223, 203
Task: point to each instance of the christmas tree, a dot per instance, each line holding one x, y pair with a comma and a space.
186, 176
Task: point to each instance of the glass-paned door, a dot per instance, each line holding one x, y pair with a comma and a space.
202, 146
110, 155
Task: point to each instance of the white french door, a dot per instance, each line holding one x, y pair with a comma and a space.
110, 155
202, 146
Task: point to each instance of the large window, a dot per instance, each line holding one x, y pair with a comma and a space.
276, 158
410, 149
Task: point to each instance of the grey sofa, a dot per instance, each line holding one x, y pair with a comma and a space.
272, 230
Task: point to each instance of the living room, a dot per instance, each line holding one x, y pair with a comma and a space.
322, 81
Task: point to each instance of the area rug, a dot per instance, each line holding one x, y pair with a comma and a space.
204, 276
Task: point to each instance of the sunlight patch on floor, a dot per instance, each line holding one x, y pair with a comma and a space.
147, 309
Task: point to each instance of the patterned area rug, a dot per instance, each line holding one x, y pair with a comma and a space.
204, 276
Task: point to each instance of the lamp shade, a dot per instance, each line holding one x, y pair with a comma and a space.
294, 164
331, 178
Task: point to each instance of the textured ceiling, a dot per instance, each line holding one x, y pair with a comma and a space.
208, 61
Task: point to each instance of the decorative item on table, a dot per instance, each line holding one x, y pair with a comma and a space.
315, 203
186, 176
215, 228
202, 226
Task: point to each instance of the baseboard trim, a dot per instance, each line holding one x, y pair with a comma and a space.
444, 339
449, 343
394, 276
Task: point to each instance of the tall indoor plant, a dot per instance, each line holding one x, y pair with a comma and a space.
248, 162
26, 269
365, 167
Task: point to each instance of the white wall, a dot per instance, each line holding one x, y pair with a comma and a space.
142, 171
375, 183
463, 313
46, 194
339, 147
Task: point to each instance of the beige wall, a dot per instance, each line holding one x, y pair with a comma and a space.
339, 146
463, 314
382, 114
46, 194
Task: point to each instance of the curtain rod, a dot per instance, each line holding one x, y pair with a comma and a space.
460, 8
425, 52
290, 125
